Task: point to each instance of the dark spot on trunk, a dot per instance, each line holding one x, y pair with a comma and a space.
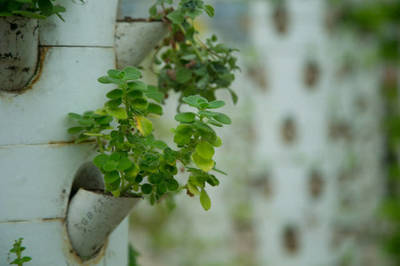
13, 26
263, 184
290, 240
311, 74
289, 131
316, 184
340, 130
281, 18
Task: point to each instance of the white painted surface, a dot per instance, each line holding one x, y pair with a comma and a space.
33, 178
86, 24
134, 40
92, 216
68, 83
343, 206
36, 176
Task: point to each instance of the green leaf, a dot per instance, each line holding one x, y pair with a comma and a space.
214, 123
91, 134
155, 178
233, 95
147, 188
75, 130
108, 80
137, 85
195, 100
115, 94
183, 75
193, 189
153, 10
85, 122
110, 165
155, 109
28, 14
26, 259
119, 113
144, 125
176, 17
185, 117
46, 7
205, 200
224, 119
124, 164
205, 150
115, 73
215, 104
219, 171
204, 164
105, 120
209, 10
74, 116
153, 93
132, 172
100, 160
217, 142
132, 73
212, 180
140, 104
112, 177
162, 188
172, 184
112, 104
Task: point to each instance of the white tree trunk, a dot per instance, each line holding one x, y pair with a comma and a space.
37, 160
321, 141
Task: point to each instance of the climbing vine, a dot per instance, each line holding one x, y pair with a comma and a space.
133, 161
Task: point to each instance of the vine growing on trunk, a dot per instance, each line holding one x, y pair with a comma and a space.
133, 161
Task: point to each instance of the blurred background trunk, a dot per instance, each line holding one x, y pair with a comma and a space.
304, 156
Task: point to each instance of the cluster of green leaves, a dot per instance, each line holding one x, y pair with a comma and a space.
186, 64
39, 9
132, 160
17, 249
380, 20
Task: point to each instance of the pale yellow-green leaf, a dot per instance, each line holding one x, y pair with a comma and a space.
144, 125
193, 189
204, 164
205, 200
205, 150
119, 113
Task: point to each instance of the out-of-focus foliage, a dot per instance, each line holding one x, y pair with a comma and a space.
380, 21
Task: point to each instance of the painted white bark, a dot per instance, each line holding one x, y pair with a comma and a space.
145, 35
319, 142
92, 217
38, 163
